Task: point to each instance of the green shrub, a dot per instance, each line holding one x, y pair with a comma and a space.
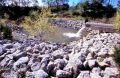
76, 13
97, 9
37, 22
116, 56
5, 32
117, 20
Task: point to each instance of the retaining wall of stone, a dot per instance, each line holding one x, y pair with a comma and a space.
74, 24
77, 24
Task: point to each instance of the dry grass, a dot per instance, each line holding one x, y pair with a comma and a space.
37, 23
75, 18
117, 20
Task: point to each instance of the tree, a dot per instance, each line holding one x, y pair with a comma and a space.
118, 3
35, 2
100, 1
2, 2
48, 2
117, 20
56, 4
22, 3
60, 2
97, 9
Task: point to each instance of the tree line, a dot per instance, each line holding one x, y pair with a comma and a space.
18, 8
87, 8
97, 8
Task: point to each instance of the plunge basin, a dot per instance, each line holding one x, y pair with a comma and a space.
57, 35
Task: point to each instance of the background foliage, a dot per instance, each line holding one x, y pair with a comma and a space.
37, 22
116, 56
117, 20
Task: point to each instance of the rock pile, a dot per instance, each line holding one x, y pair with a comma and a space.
89, 57
74, 24
95, 54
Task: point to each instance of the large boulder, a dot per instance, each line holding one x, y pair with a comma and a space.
88, 43
58, 54
10, 74
22, 60
63, 74
60, 63
17, 45
93, 49
18, 54
111, 72
103, 52
102, 63
6, 60
8, 46
31, 61
35, 66
111, 51
96, 72
84, 74
74, 66
40, 74
37, 74
1, 50
44, 62
110, 61
29, 49
92, 63
89, 56
50, 68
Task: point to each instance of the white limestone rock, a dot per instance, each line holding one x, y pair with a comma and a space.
103, 52
89, 56
28, 48
37, 74
110, 61
35, 66
58, 54
111, 51
50, 66
88, 43
111, 72
31, 61
85, 64
92, 63
96, 70
19, 55
1, 50
74, 66
5, 61
95, 73
63, 74
93, 49
17, 45
60, 63
84, 74
101, 62
44, 62
10, 74
8, 46
22, 60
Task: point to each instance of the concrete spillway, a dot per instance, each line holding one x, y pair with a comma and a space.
78, 34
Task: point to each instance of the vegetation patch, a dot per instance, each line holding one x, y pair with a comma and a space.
5, 32
116, 56
117, 20
37, 22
